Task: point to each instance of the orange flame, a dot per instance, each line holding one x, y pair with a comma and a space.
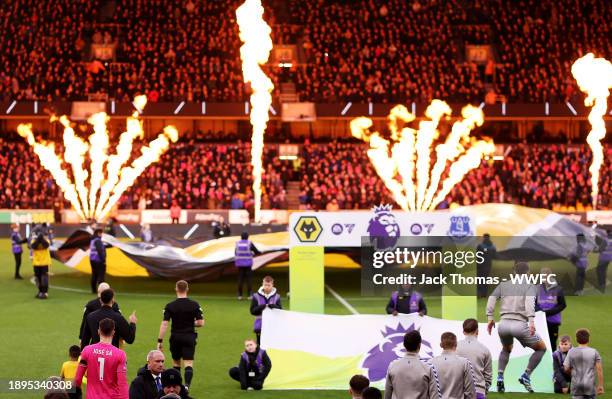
255, 34
411, 154
104, 189
594, 76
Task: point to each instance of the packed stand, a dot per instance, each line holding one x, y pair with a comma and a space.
363, 50
196, 176
340, 176
42, 45
538, 40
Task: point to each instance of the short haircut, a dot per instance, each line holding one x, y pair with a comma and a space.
250, 340
97, 231
565, 338
153, 353
244, 235
107, 296
582, 336
268, 279
102, 287
470, 326
106, 326
371, 393
412, 341
182, 286
448, 340
74, 351
358, 383
521, 267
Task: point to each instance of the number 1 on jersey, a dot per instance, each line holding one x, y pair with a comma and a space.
101, 361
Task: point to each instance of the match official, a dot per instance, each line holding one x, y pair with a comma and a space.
409, 377
517, 312
479, 355
97, 259
123, 329
94, 305
186, 315
454, 372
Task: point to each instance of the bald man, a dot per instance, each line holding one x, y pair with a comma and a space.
94, 305
147, 384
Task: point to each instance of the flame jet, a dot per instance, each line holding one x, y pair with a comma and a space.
594, 76
403, 162
255, 34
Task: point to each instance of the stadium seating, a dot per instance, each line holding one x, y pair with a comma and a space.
335, 175
407, 50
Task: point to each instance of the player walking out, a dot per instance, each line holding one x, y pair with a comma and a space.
517, 312
106, 366
185, 314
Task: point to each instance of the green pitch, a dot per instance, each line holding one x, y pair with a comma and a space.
36, 334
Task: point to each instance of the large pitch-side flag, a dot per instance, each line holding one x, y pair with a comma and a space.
314, 351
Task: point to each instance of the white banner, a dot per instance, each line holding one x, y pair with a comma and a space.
314, 351
346, 228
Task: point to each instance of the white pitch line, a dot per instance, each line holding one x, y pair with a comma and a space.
137, 294
341, 300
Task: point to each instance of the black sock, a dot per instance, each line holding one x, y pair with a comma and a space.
188, 375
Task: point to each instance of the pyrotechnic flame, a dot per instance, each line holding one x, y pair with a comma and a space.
594, 76
124, 149
53, 163
255, 34
410, 159
118, 178
75, 149
150, 154
98, 145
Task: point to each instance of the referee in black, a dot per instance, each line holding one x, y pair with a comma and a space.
185, 314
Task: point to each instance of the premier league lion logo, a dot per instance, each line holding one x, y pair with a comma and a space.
379, 358
383, 228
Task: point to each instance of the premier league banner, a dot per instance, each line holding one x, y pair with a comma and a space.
325, 351
346, 229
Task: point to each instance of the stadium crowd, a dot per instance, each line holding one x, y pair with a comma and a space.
357, 51
335, 175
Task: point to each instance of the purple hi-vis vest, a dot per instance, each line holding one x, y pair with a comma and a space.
244, 256
93, 251
415, 299
606, 254
261, 300
547, 299
16, 243
581, 256
258, 359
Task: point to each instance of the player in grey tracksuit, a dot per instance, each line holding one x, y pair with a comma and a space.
409, 377
517, 312
454, 372
479, 355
